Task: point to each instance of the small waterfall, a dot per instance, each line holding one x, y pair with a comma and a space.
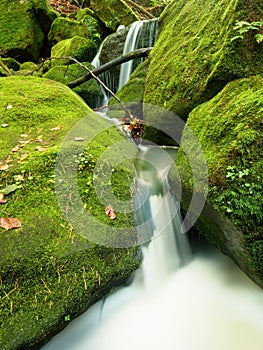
169, 249
207, 304
141, 34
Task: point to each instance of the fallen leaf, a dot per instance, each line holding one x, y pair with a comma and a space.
3, 201
110, 212
56, 128
9, 223
4, 125
39, 138
16, 148
8, 189
79, 138
41, 149
4, 166
22, 157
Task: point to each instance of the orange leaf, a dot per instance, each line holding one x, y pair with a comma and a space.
110, 212
9, 223
4, 166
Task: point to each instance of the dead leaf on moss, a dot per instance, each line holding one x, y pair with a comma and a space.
22, 157
2, 199
56, 128
40, 149
4, 166
16, 148
110, 212
39, 138
10, 223
4, 125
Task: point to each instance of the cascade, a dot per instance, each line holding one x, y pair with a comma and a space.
141, 34
174, 301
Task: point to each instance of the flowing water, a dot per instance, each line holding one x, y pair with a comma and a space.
178, 300
141, 34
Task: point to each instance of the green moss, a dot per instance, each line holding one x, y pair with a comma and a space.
64, 28
77, 47
89, 91
113, 13
194, 57
49, 273
229, 130
21, 35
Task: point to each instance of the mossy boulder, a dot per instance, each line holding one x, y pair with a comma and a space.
113, 13
64, 28
89, 91
22, 31
49, 272
195, 56
82, 49
229, 131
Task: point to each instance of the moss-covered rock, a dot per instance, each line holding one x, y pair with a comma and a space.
77, 47
84, 26
50, 273
113, 13
89, 91
195, 56
22, 26
229, 130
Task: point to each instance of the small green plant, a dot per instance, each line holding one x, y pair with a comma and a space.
243, 27
241, 199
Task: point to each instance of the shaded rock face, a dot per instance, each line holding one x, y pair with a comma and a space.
229, 131
194, 56
23, 25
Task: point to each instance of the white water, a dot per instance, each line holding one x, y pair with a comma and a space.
174, 302
141, 34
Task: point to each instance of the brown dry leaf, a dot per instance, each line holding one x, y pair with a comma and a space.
41, 149
22, 157
4, 125
110, 212
39, 138
3, 201
56, 128
4, 166
9, 223
16, 148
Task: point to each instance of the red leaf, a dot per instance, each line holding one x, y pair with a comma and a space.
110, 212
9, 223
